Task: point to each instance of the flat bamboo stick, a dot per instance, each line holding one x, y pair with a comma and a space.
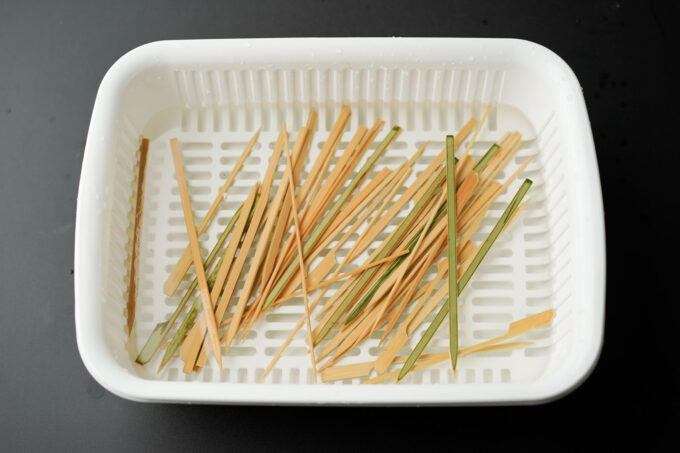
184, 262
131, 305
301, 260
196, 251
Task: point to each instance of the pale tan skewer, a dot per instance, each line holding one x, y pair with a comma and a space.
196, 251
497, 162
194, 338
344, 262
421, 311
432, 238
316, 202
184, 262
477, 131
374, 319
464, 167
353, 210
303, 272
280, 228
340, 222
462, 195
405, 266
315, 176
326, 265
131, 303
515, 329
410, 192
434, 253
286, 252
353, 153
267, 183
237, 267
362, 369
421, 179
335, 180
337, 278
263, 244
408, 235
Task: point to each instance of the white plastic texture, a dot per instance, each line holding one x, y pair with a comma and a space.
213, 94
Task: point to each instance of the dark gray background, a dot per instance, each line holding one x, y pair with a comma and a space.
52, 58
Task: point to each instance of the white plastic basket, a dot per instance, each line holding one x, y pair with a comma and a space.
213, 94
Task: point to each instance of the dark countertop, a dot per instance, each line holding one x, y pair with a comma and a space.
53, 56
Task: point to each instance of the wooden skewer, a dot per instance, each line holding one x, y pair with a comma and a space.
517, 328
362, 369
404, 170
464, 167
434, 252
477, 131
341, 221
184, 261
407, 264
316, 175
235, 270
194, 339
247, 242
356, 271
363, 242
317, 202
131, 305
263, 245
303, 272
196, 251
417, 316
443, 356
282, 223
324, 267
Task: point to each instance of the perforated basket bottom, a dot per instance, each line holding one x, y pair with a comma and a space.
515, 280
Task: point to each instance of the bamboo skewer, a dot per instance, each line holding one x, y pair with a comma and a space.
196, 251
467, 275
282, 223
263, 245
131, 305
477, 131
363, 369
194, 339
184, 262
452, 252
407, 263
314, 236
292, 230
301, 260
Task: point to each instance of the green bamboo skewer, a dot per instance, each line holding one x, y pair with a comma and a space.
393, 266
484, 161
358, 308
465, 278
452, 235
330, 215
162, 328
384, 251
193, 311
